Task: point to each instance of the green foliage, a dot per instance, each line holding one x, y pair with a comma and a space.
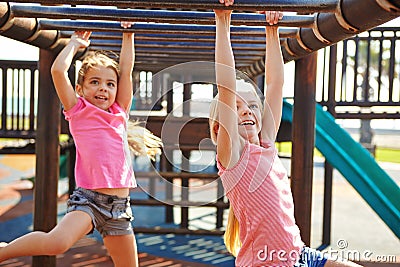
388, 155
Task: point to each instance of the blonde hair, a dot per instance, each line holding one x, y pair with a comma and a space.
93, 59
142, 142
231, 236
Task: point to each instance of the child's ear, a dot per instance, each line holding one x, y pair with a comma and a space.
78, 90
216, 128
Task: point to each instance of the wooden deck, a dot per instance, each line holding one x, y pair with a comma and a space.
90, 253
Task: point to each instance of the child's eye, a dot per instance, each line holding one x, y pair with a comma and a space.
110, 84
253, 106
94, 82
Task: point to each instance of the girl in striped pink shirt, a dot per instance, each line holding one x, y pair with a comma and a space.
261, 228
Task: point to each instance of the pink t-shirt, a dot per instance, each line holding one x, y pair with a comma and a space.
103, 158
259, 191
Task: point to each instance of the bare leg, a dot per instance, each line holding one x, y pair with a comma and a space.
122, 249
71, 228
340, 263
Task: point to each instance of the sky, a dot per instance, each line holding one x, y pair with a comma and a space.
15, 50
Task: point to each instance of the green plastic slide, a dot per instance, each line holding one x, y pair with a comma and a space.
357, 165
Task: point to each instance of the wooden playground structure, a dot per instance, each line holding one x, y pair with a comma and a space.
171, 39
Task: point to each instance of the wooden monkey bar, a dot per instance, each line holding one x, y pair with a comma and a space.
156, 16
329, 22
304, 6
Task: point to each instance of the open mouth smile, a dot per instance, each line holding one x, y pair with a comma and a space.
101, 98
247, 122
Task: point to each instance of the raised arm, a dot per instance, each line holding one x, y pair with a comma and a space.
126, 62
274, 79
59, 69
228, 136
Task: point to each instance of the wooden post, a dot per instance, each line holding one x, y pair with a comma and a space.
328, 173
168, 155
47, 155
187, 96
303, 132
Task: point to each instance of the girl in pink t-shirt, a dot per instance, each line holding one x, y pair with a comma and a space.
97, 112
261, 228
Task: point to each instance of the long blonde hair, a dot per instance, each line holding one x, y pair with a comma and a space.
143, 142
231, 236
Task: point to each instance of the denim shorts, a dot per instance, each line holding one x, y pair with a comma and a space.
311, 258
110, 215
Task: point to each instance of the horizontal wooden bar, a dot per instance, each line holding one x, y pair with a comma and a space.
184, 147
182, 37
180, 175
180, 203
179, 54
20, 134
157, 16
15, 64
25, 150
167, 45
363, 104
304, 6
367, 116
150, 28
182, 55
29, 148
178, 231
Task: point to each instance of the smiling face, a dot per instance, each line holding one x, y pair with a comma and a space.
249, 108
249, 115
99, 86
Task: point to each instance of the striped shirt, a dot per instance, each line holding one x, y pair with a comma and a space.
259, 191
